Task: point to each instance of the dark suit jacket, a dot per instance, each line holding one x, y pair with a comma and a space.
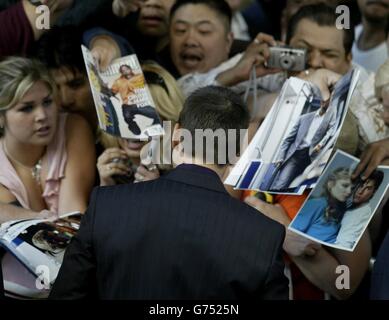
380, 277
1, 277
179, 237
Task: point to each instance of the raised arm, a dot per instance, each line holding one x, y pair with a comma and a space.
80, 166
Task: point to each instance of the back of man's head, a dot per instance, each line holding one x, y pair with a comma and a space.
221, 7
324, 16
220, 110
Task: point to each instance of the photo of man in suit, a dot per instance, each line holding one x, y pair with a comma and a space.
181, 236
125, 87
304, 142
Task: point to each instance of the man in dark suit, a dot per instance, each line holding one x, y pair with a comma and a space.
1, 278
181, 236
380, 277
302, 145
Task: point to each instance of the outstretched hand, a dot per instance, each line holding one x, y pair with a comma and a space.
104, 50
375, 154
256, 55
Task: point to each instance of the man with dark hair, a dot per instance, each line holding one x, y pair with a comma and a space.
200, 34
314, 27
60, 50
357, 216
181, 236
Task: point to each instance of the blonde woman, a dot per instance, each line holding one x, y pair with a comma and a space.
121, 162
46, 158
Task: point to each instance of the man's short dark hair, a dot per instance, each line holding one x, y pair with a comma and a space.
377, 177
61, 47
323, 15
221, 7
215, 108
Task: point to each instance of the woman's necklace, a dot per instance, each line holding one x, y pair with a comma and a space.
35, 170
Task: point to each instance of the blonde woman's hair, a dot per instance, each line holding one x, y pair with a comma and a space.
382, 79
168, 99
168, 103
17, 76
333, 212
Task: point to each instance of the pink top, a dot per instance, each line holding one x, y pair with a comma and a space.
18, 281
56, 159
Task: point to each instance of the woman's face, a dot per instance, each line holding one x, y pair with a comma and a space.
132, 147
341, 189
33, 120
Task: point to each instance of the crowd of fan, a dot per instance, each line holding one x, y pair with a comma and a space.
48, 117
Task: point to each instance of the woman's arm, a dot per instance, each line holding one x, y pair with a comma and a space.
80, 166
9, 211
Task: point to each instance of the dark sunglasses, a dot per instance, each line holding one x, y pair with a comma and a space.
155, 78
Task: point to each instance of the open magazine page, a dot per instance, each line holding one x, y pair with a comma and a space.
292, 146
339, 209
122, 99
35, 250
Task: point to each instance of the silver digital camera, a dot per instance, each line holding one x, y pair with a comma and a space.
287, 58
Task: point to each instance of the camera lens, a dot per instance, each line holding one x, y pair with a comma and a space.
287, 62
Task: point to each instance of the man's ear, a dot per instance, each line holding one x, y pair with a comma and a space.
230, 40
330, 184
349, 57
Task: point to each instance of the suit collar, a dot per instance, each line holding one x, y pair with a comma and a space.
196, 175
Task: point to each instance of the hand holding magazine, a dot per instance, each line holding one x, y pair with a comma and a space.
34, 253
122, 99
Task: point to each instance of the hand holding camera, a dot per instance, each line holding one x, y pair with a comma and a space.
256, 55
111, 163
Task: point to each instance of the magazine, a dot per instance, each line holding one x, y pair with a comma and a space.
339, 208
35, 250
123, 102
292, 146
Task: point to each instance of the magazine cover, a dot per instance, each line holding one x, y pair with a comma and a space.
339, 209
292, 146
122, 99
35, 250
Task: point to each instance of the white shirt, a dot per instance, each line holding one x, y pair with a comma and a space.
239, 27
369, 59
352, 225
